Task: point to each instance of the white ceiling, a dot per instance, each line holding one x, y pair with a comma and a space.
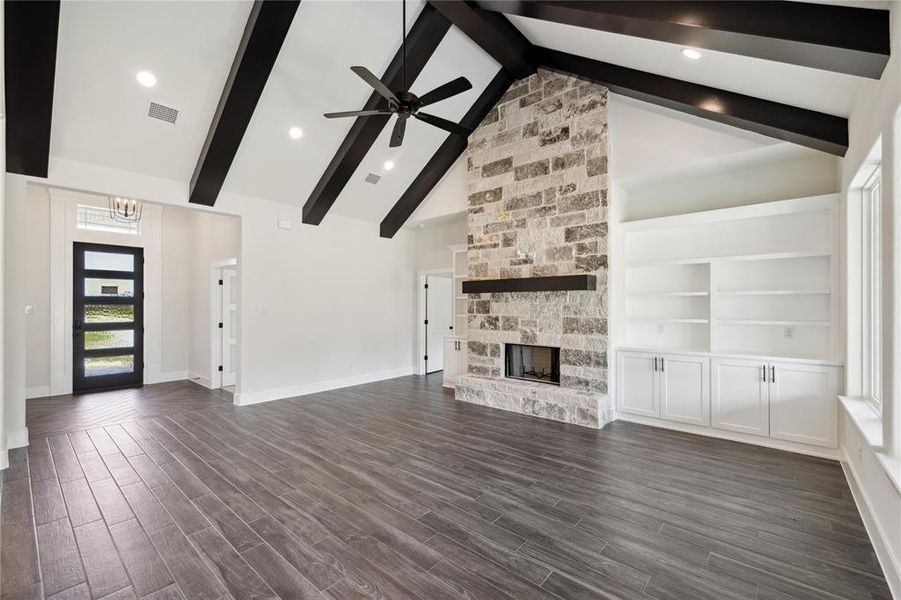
99, 108
823, 91
312, 76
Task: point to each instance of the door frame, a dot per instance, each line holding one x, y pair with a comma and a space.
78, 355
216, 269
63, 231
421, 345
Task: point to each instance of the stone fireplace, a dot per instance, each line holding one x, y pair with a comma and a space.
537, 168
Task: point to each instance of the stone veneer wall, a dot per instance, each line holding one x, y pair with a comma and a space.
537, 170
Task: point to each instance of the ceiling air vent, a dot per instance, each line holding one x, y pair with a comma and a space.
372, 178
163, 113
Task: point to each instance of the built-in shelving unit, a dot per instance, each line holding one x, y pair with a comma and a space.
757, 280
461, 300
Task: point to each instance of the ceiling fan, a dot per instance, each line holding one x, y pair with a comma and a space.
405, 104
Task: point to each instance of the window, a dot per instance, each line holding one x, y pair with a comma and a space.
871, 267
95, 218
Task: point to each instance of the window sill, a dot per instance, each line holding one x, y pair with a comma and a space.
868, 423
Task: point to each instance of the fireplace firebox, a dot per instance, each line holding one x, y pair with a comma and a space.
533, 363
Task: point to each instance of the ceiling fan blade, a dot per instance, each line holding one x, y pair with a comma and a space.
376, 84
443, 124
397, 136
451, 88
356, 113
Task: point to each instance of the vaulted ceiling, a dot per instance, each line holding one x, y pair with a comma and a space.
241, 74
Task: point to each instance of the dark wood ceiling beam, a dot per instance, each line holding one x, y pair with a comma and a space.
446, 155
30, 38
809, 128
844, 39
422, 41
492, 32
265, 32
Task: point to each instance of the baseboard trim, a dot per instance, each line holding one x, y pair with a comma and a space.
245, 399
40, 391
830, 453
166, 377
201, 379
891, 566
17, 439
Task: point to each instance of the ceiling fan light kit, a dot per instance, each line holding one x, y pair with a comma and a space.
406, 104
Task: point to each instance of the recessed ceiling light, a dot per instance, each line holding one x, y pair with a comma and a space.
146, 78
296, 133
691, 53
388, 165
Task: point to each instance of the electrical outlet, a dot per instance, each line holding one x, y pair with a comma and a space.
789, 333
659, 327
859, 453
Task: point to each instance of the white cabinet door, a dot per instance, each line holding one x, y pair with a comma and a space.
739, 396
685, 388
451, 361
803, 403
636, 384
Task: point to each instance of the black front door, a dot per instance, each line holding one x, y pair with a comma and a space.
108, 317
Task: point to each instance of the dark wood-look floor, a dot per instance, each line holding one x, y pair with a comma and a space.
393, 490
46, 416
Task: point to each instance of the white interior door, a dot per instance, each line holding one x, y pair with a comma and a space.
440, 316
636, 384
229, 326
685, 388
740, 396
803, 403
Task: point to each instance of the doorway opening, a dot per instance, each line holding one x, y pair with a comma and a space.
108, 317
437, 322
224, 324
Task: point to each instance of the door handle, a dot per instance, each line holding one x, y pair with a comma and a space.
772, 374
764, 374
655, 364
662, 365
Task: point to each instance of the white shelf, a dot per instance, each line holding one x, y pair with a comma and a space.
751, 271
773, 292
666, 320
645, 294
463, 297
798, 323
732, 258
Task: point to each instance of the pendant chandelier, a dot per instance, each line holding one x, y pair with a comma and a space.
125, 209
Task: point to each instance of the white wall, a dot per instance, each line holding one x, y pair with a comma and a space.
449, 197
175, 255
323, 306
13, 292
762, 175
213, 238
4, 462
432, 244
875, 116
37, 292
